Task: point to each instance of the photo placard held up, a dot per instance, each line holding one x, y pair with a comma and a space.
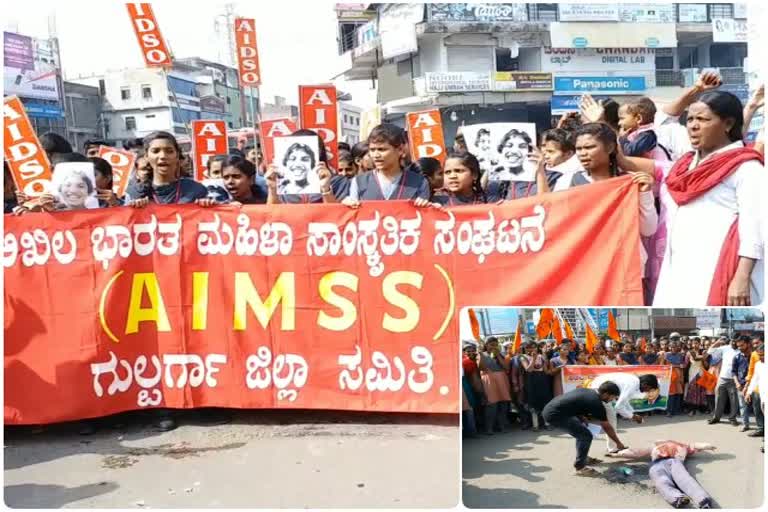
74, 186
296, 158
502, 149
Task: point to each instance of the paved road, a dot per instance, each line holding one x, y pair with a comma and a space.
523, 469
276, 459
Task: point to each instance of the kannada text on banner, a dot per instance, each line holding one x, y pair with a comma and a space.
318, 306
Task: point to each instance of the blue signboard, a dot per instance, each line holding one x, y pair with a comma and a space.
599, 84
42, 110
530, 328
501, 320
600, 316
564, 104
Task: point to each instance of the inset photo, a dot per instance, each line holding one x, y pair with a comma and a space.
612, 408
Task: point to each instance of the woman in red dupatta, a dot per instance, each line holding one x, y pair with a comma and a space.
715, 249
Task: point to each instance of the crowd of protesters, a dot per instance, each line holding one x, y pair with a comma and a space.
505, 389
702, 173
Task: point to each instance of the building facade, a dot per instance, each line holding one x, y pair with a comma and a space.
349, 123
31, 71
136, 102
83, 108
483, 63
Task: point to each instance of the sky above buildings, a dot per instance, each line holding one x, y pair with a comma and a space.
297, 39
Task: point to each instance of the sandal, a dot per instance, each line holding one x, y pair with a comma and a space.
586, 471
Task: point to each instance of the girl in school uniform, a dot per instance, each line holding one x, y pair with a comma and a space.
461, 181
388, 181
167, 186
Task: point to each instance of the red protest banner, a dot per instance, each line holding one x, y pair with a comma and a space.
122, 162
320, 307
29, 164
317, 110
153, 47
425, 135
272, 128
210, 138
247, 52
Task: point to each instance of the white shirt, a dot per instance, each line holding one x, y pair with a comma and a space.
672, 135
727, 352
629, 386
696, 232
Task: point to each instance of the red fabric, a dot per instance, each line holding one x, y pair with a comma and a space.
234, 317
469, 365
685, 186
726, 267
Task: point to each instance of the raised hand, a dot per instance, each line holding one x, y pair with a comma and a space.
591, 111
708, 81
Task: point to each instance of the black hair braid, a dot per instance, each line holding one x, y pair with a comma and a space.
477, 189
615, 171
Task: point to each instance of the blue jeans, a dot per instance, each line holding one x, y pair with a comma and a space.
675, 404
745, 410
583, 436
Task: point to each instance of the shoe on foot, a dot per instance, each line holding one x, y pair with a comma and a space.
757, 433
681, 502
586, 471
707, 503
712, 421
733, 422
591, 461
744, 428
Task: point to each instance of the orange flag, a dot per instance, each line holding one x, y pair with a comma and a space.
591, 341
643, 344
544, 326
568, 331
707, 380
474, 324
518, 338
557, 333
613, 333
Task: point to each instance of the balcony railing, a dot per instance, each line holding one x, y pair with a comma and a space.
669, 78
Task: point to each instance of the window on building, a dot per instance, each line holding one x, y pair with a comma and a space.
346, 118
542, 12
102, 88
130, 123
230, 124
150, 116
146, 92
229, 100
470, 58
663, 62
727, 55
505, 62
125, 93
688, 57
720, 11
